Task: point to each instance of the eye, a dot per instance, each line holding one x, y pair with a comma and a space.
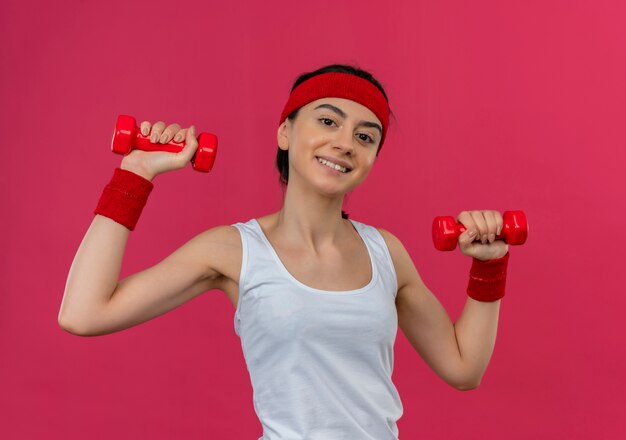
326, 119
367, 136
367, 139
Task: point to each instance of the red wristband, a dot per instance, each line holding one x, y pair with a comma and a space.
123, 199
487, 279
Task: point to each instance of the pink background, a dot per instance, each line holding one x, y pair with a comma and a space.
499, 105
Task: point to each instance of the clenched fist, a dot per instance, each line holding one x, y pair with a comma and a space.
478, 240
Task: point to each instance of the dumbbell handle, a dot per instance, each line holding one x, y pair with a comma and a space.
127, 137
446, 230
143, 143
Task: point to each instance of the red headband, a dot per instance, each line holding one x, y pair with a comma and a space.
340, 85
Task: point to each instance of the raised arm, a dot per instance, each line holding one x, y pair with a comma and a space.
96, 302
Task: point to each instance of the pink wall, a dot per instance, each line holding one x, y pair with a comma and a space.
499, 105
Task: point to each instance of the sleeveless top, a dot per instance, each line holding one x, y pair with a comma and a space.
320, 362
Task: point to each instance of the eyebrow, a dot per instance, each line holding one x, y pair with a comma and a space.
344, 115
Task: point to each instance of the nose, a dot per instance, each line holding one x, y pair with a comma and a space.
343, 140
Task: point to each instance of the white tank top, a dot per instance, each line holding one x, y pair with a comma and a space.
320, 362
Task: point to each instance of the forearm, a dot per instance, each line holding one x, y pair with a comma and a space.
475, 332
95, 271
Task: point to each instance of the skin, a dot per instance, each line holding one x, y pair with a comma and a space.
311, 213
308, 228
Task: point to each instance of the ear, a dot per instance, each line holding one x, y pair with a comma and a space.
281, 136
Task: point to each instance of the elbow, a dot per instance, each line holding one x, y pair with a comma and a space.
70, 327
467, 386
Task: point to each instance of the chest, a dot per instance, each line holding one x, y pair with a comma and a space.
337, 271
348, 269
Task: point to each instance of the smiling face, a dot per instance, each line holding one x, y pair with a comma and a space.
338, 131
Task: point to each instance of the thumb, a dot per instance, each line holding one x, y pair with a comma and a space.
467, 237
191, 145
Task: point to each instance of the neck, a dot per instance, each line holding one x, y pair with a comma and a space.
310, 219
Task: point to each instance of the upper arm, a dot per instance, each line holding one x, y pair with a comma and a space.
196, 267
422, 318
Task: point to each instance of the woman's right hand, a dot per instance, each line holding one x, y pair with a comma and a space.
150, 164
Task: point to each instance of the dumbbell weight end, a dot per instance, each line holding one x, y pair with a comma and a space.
446, 230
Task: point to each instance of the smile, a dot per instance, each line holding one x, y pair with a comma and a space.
332, 165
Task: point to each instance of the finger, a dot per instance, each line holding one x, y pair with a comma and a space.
468, 222
191, 145
481, 224
169, 133
466, 219
157, 129
144, 127
492, 225
182, 134
499, 221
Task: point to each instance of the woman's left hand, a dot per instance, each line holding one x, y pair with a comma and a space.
482, 245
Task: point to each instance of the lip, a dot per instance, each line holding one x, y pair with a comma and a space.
330, 170
343, 163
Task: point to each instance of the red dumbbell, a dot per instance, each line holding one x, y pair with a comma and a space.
446, 230
127, 137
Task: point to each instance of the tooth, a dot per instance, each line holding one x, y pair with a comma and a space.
332, 165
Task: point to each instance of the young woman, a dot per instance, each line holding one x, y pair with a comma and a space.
318, 296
